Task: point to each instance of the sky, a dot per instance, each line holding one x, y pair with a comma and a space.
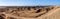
28, 2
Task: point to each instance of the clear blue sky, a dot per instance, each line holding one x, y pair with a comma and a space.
28, 2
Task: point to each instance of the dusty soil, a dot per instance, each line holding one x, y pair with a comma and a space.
52, 12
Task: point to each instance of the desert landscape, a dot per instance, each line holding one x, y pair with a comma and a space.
30, 12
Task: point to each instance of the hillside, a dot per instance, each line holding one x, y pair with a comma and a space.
35, 12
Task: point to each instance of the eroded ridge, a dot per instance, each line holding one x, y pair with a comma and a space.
27, 12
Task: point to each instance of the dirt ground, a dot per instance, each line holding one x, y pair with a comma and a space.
52, 12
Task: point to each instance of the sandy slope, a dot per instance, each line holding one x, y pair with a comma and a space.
52, 13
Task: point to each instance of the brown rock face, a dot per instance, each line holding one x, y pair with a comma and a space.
19, 13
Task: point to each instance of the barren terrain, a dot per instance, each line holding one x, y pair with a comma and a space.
51, 12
